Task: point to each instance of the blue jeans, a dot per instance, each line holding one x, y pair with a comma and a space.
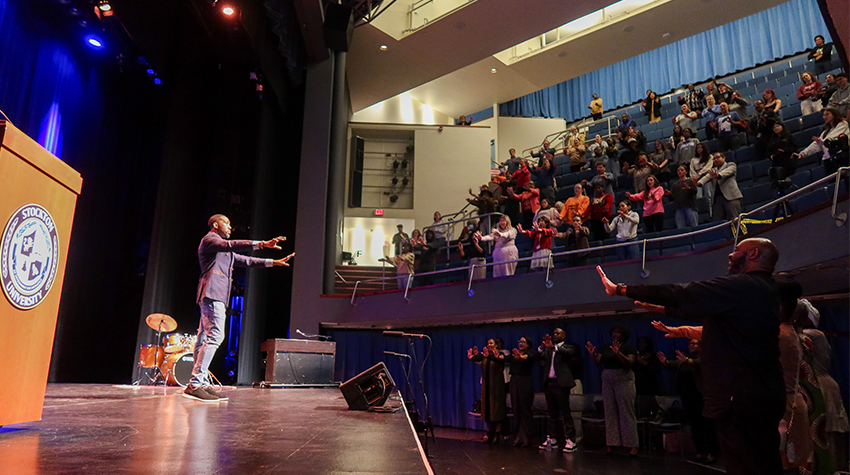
686, 217
628, 252
210, 336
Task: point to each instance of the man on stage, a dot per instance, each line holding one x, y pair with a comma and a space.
217, 257
742, 379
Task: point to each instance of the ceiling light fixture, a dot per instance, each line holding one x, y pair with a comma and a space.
228, 10
493, 70
104, 6
383, 48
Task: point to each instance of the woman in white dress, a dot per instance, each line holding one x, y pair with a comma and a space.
504, 236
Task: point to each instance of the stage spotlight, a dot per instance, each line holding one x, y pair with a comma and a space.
157, 81
228, 10
104, 6
94, 42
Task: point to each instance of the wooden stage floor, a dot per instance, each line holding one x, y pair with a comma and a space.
102, 429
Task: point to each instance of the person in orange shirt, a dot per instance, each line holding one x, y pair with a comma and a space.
577, 205
530, 203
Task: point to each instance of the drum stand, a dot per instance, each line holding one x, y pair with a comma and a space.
157, 375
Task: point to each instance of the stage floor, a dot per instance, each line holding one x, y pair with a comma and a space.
120, 430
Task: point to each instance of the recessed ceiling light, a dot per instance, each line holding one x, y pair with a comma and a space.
493, 70
666, 36
383, 47
628, 28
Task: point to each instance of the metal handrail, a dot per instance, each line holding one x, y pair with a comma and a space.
736, 223
526, 153
452, 223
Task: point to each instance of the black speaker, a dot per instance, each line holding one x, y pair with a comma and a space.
369, 388
338, 26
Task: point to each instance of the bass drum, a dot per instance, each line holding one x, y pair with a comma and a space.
177, 368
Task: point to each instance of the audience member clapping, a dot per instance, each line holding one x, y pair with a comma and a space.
576, 237
529, 203
427, 257
545, 177
542, 234
686, 148
549, 212
522, 360
602, 178
684, 192
686, 119
652, 106
640, 171
660, 161
693, 98
728, 126
711, 111
577, 158
493, 397
578, 204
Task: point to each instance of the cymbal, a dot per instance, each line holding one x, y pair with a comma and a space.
168, 323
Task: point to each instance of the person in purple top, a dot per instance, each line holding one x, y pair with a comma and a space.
217, 255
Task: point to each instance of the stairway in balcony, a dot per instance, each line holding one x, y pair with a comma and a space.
352, 274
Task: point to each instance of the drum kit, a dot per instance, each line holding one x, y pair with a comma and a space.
169, 362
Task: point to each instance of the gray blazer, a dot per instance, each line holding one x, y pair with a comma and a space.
727, 182
217, 258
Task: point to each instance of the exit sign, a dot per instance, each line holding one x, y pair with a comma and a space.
379, 212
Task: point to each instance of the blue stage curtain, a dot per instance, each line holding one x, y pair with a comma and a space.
774, 33
47, 89
453, 382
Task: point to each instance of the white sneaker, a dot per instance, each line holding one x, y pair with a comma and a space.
548, 444
569, 446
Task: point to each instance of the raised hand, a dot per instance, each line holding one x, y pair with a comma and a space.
615, 347
519, 227
590, 348
515, 353
469, 353
283, 261
650, 307
669, 332
610, 287
681, 356
547, 341
485, 351
272, 243
661, 357
474, 350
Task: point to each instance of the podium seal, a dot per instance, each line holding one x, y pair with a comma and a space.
29, 256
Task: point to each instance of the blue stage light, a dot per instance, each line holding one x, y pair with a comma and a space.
151, 71
157, 81
94, 42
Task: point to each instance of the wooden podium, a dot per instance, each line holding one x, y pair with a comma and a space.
36, 214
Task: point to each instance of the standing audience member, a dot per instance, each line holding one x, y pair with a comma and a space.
761, 126
521, 361
660, 161
711, 111
795, 443
512, 164
727, 200
549, 212
470, 248
512, 206
545, 177
689, 387
727, 128
685, 149
578, 204
602, 178
463, 121
399, 238
684, 195
558, 380
618, 390
576, 154
625, 223
652, 106
840, 99
738, 104
595, 108
493, 398
808, 94
486, 204
522, 175
600, 207
597, 143
529, 203
829, 87
834, 155
625, 124
693, 98
826, 410
640, 171
613, 157
629, 157
821, 54
403, 263
647, 367
781, 149
544, 149
439, 227
542, 234
676, 138
771, 102
699, 167
743, 387
576, 237
504, 236
427, 257
653, 208
687, 118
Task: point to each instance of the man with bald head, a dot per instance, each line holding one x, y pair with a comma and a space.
742, 379
217, 256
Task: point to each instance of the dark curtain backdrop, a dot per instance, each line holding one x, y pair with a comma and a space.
774, 33
453, 382
79, 105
